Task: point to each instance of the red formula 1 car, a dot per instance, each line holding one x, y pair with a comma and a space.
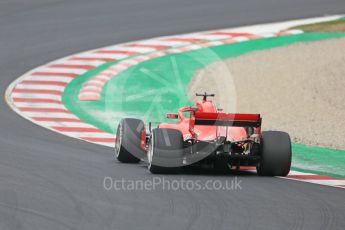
206, 137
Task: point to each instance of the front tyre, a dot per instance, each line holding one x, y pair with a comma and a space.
275, 154
128, 140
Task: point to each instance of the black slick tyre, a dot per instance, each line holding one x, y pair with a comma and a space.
128, 140
165, 153
275, 154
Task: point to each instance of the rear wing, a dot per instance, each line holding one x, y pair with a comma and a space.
226, 119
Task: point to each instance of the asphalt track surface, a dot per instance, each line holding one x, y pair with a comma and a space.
49, 181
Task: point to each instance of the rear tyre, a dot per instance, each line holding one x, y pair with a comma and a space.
275, 154
128, 140
165, 154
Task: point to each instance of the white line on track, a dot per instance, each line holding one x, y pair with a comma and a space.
161, 42
95, 82
50, 115
66, 124
62, 70
99, 76
92, 87
38, 86
101, 55
39, 105
91, 134
134, 49
50, 78
35, 95
76, 62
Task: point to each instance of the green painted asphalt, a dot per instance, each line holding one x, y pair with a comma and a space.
155, 87
318, 160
